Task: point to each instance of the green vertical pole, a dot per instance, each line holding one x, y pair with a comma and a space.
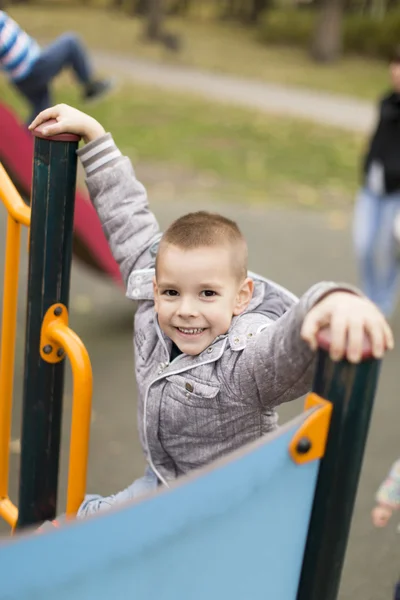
351, 389
50, 254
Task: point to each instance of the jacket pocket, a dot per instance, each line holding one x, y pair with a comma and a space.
192, 392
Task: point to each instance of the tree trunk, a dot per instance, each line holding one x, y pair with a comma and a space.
138, 8
155, 19
230, 9
392, 4
378, 9
179, 7
257, 8
117, 4
327, 42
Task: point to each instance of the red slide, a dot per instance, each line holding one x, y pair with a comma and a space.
16, 153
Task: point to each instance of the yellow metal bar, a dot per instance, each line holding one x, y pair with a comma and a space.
56, 330
18, 213
11, 199
7, 348
8, 511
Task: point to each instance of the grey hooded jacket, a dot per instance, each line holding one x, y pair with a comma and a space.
195, 409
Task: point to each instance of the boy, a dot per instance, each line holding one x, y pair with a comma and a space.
388, 501
32, 69
387, 497
215, 350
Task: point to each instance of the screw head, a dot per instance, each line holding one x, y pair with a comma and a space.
304, 445
58, 311
47, 349
60, 352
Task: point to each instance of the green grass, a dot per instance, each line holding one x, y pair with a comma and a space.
185, 148
207, 44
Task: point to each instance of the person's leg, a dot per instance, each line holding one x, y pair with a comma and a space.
388, 265
397, 591
39, 101
66, 51
365, 232
39, 98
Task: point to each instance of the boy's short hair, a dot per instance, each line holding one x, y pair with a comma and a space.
206, 229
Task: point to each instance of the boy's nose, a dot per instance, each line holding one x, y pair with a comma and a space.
187, 308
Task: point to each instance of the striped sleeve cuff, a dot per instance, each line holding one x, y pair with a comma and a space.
98, 154
389, 491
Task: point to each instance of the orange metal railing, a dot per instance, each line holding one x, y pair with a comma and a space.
57, 338
62, 340
18, 214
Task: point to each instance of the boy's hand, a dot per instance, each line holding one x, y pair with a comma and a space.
381, 515
349, 318
69, 120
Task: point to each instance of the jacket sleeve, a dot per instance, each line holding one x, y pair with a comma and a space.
121, 202
94, 503
282, 364
389, 491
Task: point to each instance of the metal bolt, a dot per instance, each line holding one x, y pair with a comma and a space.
304, 445
47, 349
60, 352
58, 311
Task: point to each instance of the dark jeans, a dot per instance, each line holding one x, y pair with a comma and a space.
65, 51
397, 591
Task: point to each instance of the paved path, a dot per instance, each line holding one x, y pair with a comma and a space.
339, 111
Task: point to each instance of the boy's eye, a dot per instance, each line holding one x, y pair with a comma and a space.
208, 293
170, 293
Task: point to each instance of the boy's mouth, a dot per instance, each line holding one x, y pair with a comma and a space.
190, 331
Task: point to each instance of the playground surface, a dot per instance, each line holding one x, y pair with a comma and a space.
295, 248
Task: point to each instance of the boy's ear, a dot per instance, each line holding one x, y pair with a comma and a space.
155, 292
244, 296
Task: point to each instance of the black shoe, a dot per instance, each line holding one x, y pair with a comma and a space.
97, 89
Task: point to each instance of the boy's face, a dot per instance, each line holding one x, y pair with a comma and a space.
196, 295
395, 75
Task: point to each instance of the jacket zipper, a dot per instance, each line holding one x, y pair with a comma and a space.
160, 477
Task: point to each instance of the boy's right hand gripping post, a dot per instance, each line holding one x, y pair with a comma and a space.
68, 120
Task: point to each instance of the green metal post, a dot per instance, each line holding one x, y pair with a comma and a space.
50, 254
351, 389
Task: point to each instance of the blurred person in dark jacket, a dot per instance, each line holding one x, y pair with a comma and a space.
378, 202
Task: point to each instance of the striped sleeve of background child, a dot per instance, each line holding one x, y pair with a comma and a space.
389, 491
18, 51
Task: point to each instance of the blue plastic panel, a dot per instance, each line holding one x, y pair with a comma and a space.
236, 531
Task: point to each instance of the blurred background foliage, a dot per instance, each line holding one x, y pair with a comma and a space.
327, 27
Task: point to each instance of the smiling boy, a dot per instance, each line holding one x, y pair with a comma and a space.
216, 351
201, 280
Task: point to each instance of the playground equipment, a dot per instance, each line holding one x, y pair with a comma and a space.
269, 521
16, 153
50, 253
